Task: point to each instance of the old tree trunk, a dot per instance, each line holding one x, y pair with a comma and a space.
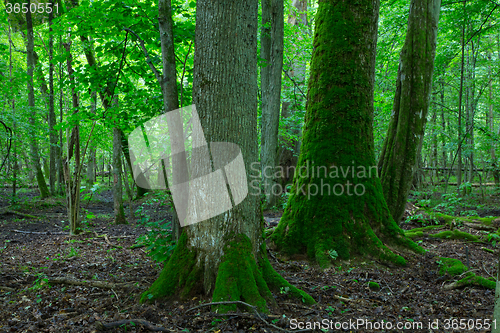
225, 255
397, 161
336, 203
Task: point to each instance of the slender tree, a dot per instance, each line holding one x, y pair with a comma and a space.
399, 155
336, 202
271, 51
52, 114
35, 155
117, 171
72, 163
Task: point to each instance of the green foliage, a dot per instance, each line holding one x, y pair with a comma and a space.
158, 241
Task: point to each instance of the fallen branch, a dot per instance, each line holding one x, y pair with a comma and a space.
254, 308
14, 212
40, 232
102, 327
95, 284
487, 250
479, 226
107, 240
7, 288
340, 298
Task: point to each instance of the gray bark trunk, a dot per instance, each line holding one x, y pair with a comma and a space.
272, 34
411, 103
225, 95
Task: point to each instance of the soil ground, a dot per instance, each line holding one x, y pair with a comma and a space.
29, 302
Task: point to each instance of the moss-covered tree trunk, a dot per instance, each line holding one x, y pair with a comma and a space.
336, 202
225, 255
398, 159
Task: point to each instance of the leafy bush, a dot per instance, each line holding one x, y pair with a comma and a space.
158, 241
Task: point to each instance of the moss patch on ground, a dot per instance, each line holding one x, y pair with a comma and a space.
451, 266
455, 234
413, 235
474, 280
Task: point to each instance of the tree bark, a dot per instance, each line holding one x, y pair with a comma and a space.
168, 84
91, 160
35, 156
14, 126
330, 209
460, 96
52, 114
398, 159
117, 172
272, 34
225, 254
72, 171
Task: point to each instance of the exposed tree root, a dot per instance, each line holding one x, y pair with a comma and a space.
471, 280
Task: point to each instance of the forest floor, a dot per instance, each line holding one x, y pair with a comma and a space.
38, 263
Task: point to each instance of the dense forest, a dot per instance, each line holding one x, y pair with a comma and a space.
238, 166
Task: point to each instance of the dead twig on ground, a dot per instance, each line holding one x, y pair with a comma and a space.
95, 284
254, 308
107, 240
40, 233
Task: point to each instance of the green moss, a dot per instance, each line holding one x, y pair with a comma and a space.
451, 266
338, 134
413, 235
268, 232
429, 227
180, 274
473, 280
374, 286
276, 281
443, 217
239, 279
455, 234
